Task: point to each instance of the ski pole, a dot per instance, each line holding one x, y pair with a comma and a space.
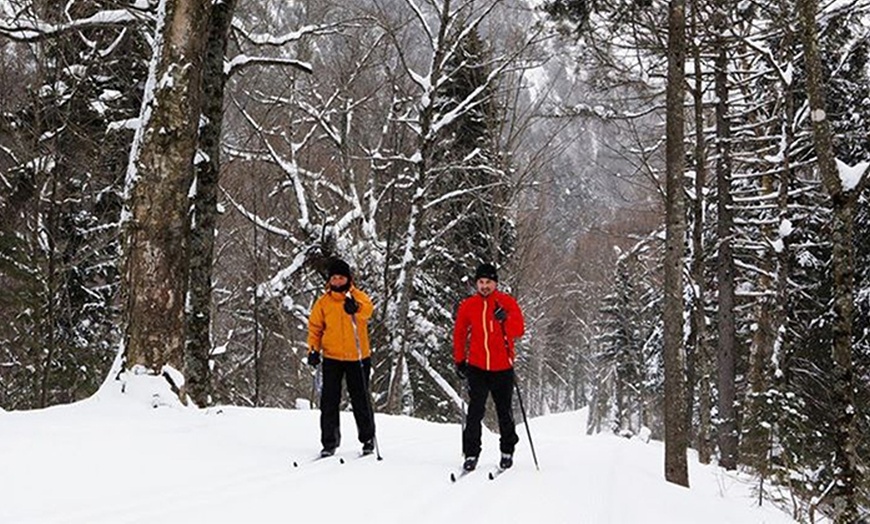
316, 385
467, 399
520, 397
365, 381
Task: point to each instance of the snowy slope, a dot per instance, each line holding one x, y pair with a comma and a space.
114, 459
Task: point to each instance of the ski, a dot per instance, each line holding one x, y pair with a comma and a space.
494, 474
341, 459
316, 459
456, 475
362, 456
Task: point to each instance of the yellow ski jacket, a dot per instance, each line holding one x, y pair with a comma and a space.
331, 329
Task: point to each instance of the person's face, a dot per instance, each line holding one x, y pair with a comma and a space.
486, 286
337, 281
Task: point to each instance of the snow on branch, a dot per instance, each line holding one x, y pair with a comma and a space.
11, 155
474, 98
851, 177
275, 286
439, 380
32, 30
422, 18
458, 193
469, 28
785, 74
241, 62
266, 39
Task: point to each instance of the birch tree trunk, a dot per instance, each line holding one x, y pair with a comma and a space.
159, 176
676, 467
843, 266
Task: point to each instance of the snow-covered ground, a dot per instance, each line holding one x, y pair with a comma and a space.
115, 459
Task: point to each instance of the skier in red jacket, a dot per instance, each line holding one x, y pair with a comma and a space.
483, 349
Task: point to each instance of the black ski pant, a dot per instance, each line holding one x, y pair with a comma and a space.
356, 374
500, 385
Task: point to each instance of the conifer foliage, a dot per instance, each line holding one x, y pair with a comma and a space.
63, 163
789, 233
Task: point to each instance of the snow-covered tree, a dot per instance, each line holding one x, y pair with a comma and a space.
372, 177
64, 158
154, 289
630, 345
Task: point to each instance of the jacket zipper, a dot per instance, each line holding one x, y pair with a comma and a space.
485, 334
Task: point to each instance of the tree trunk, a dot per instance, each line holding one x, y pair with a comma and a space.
783, 267
202, 232
843, 264
755, 436
727, 430
676, 467
416, 222
159, 178
405, 287
50, 338
700, 360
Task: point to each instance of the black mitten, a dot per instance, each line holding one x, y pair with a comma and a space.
350, 305
500, 314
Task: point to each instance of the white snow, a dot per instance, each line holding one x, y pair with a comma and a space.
113, 459
850, 176
23, 28
786, 228
110, 95
537, 80
130, 123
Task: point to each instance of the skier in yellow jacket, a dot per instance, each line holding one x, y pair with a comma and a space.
337, 328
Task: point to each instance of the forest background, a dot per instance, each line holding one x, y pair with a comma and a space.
175, 174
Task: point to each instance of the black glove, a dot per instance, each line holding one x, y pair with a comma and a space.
314, 359
499, 314
350, 305
462, 369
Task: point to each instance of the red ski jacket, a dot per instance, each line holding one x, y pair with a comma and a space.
480, 339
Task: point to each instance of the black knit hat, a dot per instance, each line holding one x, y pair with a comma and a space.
337, 266
486, 271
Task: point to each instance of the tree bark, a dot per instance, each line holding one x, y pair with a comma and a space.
159, 178
699, 362
676, 467
755, 435
202, 232
727, 430
416, 221
843, 265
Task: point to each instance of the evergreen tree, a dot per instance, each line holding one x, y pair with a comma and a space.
59, 235
630, 345
473, 225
